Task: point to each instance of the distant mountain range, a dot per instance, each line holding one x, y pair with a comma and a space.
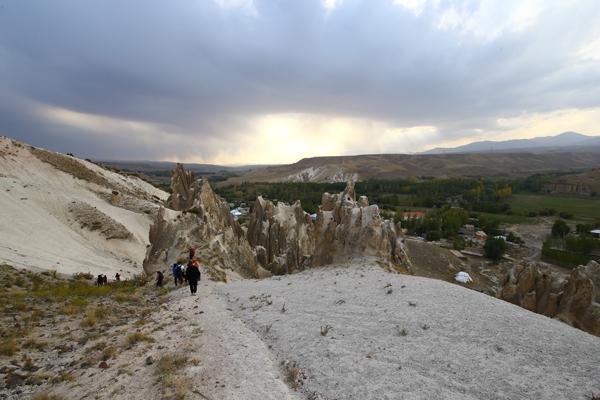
567, 141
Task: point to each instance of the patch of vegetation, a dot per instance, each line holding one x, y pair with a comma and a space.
580, 208
46, 396
136, 337
494, 248
168, 368
70, 166
8, 347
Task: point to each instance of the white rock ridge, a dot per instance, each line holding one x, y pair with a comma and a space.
62, 213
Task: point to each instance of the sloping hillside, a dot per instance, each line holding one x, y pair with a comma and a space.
566, 141
70, 215
392, 166
586, 183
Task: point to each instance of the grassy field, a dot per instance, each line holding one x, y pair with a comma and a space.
584, 209
506, 219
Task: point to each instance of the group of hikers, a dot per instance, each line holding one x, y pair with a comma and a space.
189, 272
102, 279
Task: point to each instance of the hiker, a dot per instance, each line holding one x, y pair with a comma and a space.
193, 276
104, 280
192, 253
179, 274
99, 280
159, 279
183, 268
174, 271
118, 277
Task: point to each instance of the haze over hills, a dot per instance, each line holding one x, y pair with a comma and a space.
396, 166
566, 141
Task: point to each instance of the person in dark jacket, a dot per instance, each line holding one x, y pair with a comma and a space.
104, 280
99, 280
159, 279
193, 276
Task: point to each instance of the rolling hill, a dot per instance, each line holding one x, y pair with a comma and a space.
395, 166
567, 141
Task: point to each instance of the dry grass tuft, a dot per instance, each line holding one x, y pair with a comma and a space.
8, 347
133, 338
109, 352
175, 386
63, 377
31, 343
46, 396
293, 375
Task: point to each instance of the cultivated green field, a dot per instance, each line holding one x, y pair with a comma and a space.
584, 209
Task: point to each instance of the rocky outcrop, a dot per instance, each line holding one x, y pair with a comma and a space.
282, 235
204, 224
286, 239
347, 227
575, 300
567, 188
580, 302
183, 189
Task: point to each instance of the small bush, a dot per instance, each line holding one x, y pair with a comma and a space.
83, 276
108, 353
136, 337
168, 366
8, 347
63, 377
494, 248
90, 318
46, 396
565, 215
293, 376
31, 343
171, 363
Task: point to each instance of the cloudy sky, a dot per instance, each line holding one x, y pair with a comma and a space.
272, 81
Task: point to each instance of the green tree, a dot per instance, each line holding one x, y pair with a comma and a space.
560, 228
494, 248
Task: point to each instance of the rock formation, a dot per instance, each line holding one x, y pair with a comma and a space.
282, 235
346, 228
183, 189
280, 238
575, 300
286, 239
204, 223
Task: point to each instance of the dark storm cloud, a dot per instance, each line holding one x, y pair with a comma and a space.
198, 71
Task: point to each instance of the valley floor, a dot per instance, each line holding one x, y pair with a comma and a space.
345, 332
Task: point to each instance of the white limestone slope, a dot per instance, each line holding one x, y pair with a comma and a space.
404, 337
38, 232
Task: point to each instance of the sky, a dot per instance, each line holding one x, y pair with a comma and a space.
274, 81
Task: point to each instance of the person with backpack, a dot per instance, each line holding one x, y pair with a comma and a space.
179, 274
174, 272
193, 276
159, 279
